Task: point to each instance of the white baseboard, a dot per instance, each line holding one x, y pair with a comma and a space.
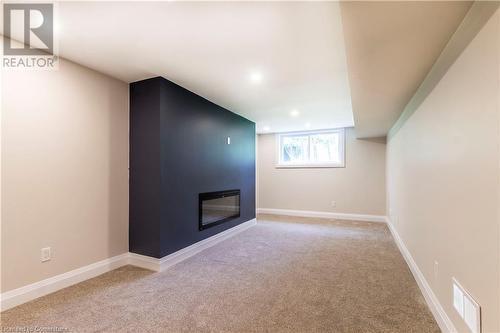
145, 262
32, 291
330, 215
176, 257
27, 293
437, 310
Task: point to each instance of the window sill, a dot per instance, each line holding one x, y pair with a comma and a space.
309, 166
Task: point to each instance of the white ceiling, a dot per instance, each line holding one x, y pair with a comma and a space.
391, 46
218, 49
265, 60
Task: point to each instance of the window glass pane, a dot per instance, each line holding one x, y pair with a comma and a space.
325, 147
294, 148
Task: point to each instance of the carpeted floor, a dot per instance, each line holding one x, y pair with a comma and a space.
283, 275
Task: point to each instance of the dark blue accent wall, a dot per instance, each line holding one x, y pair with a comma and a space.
178, 149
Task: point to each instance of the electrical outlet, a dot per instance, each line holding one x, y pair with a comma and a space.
436, 269
472, 314
333, 203
467, 307
45, 254
458, 300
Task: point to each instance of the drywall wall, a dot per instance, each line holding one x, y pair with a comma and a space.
178, 149
64, 171
359, 188
443, 180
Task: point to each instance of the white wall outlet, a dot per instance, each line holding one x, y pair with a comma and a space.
436, 269
45, 254
228, 140
333, 204
458, 300
472, 314
467, 307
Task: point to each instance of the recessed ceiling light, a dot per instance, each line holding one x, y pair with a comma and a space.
294, 113
266, 128
308, 125
255, 77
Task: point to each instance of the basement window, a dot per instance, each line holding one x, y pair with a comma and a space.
312, 149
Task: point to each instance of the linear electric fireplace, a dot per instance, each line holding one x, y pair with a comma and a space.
218, 207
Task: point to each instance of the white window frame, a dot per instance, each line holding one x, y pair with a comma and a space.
281, 164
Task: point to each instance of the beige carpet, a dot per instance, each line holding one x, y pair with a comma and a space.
283, 275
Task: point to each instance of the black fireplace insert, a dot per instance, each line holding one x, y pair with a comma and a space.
218, 207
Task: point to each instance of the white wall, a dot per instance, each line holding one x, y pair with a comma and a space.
443, 180
359, 188
64, 171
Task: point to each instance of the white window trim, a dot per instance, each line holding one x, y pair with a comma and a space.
281, 165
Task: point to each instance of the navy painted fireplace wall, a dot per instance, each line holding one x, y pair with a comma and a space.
178, 149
